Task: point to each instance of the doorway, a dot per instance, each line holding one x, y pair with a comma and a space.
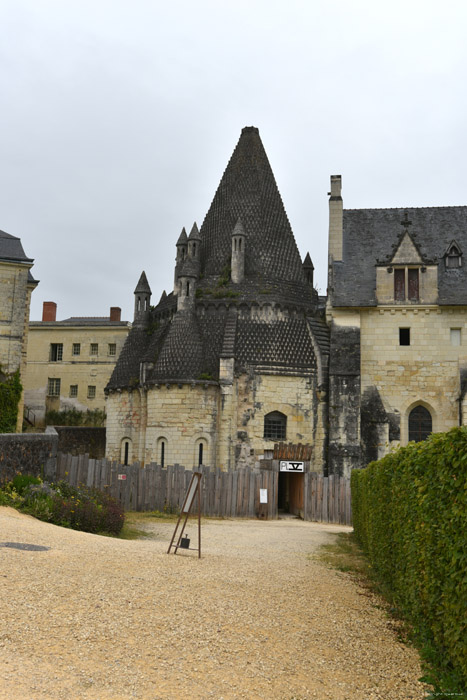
290, 493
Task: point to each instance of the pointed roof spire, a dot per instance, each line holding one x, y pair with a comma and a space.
248, 191
143, 286
194, 233
163, 296
308, 262
183, 238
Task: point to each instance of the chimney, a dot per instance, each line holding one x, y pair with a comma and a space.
49, 311
115, 313
335, 219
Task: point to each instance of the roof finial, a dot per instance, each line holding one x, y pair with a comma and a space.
405, 222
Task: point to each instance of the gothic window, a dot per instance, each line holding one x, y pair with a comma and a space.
399, 284
413, 284
275, 426
420, 424
453, 257
406, 284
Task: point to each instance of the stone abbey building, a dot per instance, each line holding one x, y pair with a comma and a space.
243, 354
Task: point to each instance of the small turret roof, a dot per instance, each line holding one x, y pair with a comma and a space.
183, 238
308, 262
194, 233
143, 286
238, 229
190, 268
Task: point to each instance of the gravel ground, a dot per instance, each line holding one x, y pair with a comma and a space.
256, 617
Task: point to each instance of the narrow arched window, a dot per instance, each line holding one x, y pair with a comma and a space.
188, 289
200, 454
420, 424
125, 452
275, 426
161, 451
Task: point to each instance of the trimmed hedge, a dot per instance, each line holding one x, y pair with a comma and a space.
410, 516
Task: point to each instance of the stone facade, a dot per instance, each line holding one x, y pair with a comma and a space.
70, 362
397, 304
16, 286
243, 354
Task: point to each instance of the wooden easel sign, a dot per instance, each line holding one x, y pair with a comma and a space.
183, 542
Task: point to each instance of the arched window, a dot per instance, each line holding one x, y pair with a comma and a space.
200, 455
162, 451
420, 424
126, 452
275, 426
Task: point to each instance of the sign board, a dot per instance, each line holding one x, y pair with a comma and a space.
289, 466
121, 477
263, 495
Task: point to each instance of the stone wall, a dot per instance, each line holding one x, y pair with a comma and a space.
77, 440
425, 372
28, 453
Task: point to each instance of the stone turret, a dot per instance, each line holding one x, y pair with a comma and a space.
187, 285
182, 248
142, 302
238, 253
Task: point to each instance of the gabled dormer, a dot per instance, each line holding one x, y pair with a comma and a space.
453, 256
406, 276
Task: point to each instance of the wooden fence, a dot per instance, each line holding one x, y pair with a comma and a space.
224, 494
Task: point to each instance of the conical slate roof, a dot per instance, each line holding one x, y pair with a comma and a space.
143, 285
248, 191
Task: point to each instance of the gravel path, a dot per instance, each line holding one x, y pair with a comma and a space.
104, 619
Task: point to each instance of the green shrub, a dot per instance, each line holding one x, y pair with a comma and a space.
71, 417
23, 481
10, 395
80, 508
410, 516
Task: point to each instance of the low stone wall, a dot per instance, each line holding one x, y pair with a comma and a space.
28, 453
77, 440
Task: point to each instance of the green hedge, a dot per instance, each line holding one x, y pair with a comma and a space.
410, 516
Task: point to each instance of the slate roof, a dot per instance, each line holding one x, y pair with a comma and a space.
11, 249
371, 235
248, 191
187, 344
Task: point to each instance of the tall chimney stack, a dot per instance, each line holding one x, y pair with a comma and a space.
49, 311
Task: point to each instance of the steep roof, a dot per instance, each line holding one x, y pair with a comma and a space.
371, 236
11, 249
143, 285
248, 191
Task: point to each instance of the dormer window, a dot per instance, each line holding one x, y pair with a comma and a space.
453, 257
406, 284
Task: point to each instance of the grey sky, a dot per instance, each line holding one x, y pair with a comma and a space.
119, 118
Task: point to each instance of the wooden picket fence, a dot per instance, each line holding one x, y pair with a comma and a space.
224, 494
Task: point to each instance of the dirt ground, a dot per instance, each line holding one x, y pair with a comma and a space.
256, 617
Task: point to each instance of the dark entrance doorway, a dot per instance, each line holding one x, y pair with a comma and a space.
290, 493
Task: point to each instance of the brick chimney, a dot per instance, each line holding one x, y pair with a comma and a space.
115, 313
49, 311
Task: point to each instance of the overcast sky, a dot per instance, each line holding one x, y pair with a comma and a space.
118, 119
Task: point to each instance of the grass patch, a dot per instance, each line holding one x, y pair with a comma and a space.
345, 555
